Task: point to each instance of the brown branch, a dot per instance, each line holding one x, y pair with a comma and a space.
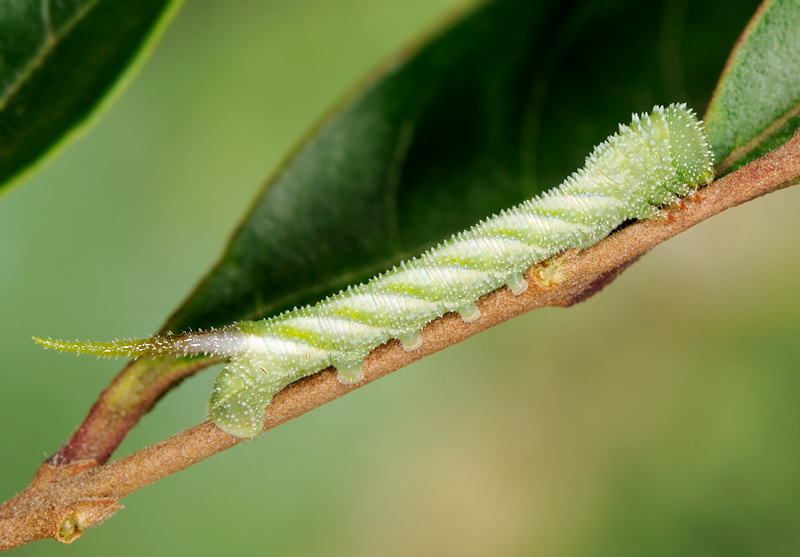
68, 496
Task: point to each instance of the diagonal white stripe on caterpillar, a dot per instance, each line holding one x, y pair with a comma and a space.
646, 165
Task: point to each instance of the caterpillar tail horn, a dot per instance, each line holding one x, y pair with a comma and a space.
129, 348
220, 342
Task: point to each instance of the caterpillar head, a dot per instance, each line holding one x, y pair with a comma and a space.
689, 149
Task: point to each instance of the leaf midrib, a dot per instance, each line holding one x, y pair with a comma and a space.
742, 151
51, 40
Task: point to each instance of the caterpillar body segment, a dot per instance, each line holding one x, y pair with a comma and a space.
646, 165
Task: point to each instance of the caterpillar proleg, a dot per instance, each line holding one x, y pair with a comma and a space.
646, 165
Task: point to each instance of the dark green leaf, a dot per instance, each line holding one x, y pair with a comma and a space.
58, 61
756, 106
497, 108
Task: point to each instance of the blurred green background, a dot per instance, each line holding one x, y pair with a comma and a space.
658, 418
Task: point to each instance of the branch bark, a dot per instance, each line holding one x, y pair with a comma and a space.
74, 489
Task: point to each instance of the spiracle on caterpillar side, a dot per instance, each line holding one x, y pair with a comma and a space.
658, 158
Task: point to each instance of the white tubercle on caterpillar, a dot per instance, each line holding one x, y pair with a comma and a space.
643, 167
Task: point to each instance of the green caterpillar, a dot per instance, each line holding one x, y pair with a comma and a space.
629, 176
